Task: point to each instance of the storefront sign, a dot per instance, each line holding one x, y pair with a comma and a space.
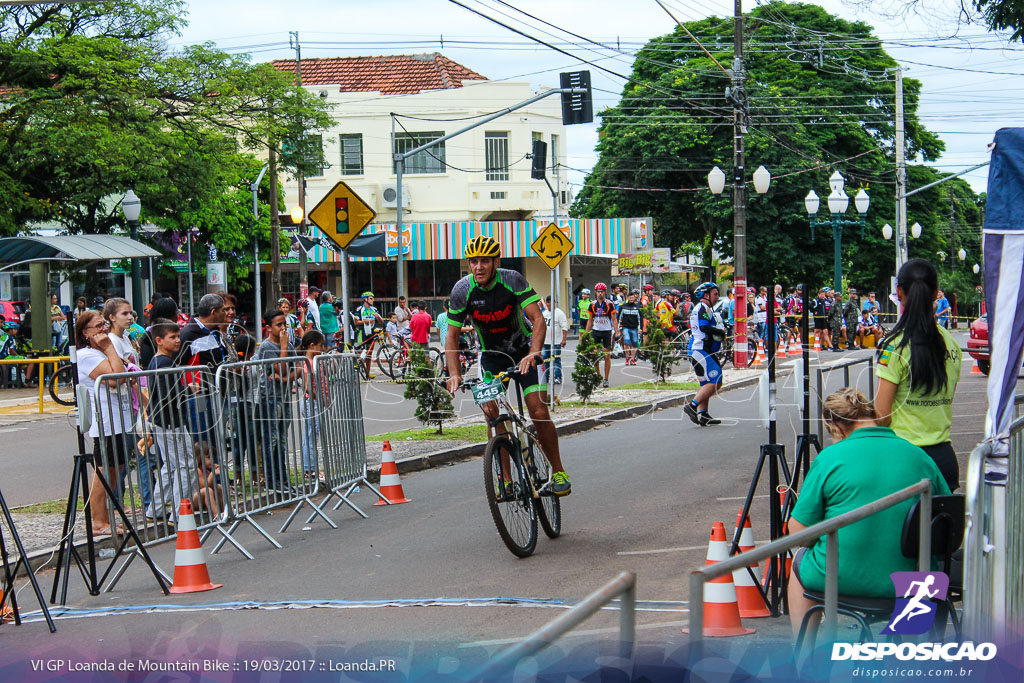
653, 261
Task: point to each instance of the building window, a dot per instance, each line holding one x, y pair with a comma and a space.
351, 154
496, 156
497, 195
316, 142
428, 161
554, 154
537, 136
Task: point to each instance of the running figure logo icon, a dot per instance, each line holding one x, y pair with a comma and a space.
915, 611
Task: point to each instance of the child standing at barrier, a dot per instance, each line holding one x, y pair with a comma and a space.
275, 404
311, 345
243, 399
208, 496
167, 405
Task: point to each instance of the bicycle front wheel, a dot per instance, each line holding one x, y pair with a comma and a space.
549, 506
384, 357
509, 499
62, 376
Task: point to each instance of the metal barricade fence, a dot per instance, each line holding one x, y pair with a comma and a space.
1014, 561
273, 462
979, 560
844, 367
157, 441
339, 410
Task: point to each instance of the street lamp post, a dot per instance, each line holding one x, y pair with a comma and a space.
131, 205
716, 182
838, 202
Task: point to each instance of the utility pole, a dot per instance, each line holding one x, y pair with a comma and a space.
901, 178
739, 189
293, 40
275, 230
952, 230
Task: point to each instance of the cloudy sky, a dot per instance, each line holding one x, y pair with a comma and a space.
972, 79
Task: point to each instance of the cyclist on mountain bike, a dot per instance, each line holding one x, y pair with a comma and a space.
665, 309
367, 317
708, 332
503, 308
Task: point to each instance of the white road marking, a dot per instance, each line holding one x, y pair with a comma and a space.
662, 550
592, 632
759, 495
13, 429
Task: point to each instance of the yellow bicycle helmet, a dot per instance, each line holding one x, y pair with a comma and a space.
482, 246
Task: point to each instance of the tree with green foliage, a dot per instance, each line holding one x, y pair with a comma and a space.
424, 385
585, 375
94, 102
657, 347
820, 96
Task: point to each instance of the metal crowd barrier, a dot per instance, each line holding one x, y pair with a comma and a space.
806, 537
1014, 543
844, 366
160, 442
339, 415
979, 560
266, 425
624, 584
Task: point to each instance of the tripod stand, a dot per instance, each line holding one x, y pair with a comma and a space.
10, 573
773, 592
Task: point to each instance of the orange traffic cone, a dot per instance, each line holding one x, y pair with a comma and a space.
190, 573
975, 370
747, 595
721, 612
762, 358
817, 343
390, 483
797, 349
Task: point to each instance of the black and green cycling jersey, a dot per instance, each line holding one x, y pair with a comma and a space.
495, 312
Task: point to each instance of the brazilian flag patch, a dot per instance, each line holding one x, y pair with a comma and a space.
883, 359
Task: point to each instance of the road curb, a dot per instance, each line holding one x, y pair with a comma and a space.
452, 455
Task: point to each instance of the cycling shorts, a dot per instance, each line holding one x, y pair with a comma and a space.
707, 368
630, 337
603, 337
495, 362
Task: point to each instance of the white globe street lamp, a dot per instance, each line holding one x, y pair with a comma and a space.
962, 254
762, 180
976, 269
838, 203
811, 203
716, 180
887, 231
916, 230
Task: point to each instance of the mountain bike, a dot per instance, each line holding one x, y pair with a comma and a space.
373, 347
517, 473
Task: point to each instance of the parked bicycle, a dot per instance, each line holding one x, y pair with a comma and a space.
517, 473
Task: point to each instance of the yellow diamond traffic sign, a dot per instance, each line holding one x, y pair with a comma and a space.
342, 215
552, 245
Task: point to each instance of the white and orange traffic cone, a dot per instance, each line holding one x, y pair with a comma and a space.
747, 594
817, 343
762, 357
721, 611
798, 346
975, 370
390, 483
190, 573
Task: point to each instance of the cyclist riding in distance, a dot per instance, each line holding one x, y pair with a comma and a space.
367, 317
708, 333
505, 312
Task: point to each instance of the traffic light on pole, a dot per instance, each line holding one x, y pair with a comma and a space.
341, 215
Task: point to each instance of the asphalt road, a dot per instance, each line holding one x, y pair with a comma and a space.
645, 495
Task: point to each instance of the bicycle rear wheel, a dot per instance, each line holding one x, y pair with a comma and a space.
384, 355
62, 376
549, 506
512, 508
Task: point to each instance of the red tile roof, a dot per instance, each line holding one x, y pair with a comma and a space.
391, 75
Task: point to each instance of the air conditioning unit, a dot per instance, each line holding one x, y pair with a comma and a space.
389, 196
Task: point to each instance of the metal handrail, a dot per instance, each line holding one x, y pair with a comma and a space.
845, 367
978, 584
805, 537
624, 584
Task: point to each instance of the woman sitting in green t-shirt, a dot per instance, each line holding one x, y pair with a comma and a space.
918, 369
866, 462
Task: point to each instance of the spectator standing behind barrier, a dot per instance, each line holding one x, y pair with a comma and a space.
835, 319
291, 322
942, 309
328, 319
851, 317
819, 312
167, 402
202, 344
403, 314
419, 324
311, 345
918, 369
111, 402
57, 322
554, 316
243, 407
313, 307
275, 394
442, 323
165, 308
866, 462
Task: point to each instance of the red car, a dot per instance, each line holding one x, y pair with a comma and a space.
13, 311
977, 344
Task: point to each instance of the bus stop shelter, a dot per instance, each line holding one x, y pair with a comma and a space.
38, 252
